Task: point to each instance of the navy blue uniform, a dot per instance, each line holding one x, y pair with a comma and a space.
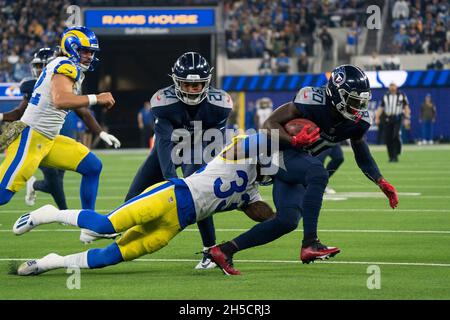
337, 158
53, 178
170, 114
298, 188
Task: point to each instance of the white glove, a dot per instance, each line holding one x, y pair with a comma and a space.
109, 139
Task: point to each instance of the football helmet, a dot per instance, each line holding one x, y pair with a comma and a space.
76, 38
349, 90
40, 59
191, 67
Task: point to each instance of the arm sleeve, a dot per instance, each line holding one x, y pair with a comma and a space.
365, 160
164, 145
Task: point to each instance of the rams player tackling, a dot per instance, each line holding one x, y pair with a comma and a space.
150, 220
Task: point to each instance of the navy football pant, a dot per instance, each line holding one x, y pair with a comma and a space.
337, 158
150, 173
297, 192
53, 184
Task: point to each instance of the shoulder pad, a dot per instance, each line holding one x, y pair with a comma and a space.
310, 95
67, 68
164, 97
219, 98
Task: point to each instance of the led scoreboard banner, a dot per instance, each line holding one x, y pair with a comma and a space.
150, 21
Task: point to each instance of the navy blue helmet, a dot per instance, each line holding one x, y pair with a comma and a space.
41, 58
349, 90
191, 67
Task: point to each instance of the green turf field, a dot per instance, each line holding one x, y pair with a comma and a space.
410, 245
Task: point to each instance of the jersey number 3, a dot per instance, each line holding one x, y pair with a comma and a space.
234, 187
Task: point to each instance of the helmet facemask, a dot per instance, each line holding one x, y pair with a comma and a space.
353, 105
191, 98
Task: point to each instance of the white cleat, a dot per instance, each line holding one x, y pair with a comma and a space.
330, 190
30, 196
28, 221
88, 236
34, 267
205, 263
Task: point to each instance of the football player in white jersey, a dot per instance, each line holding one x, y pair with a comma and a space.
150, 220
35, 139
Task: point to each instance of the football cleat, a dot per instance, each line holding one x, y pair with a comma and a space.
30, 196
33, 267
329, 190
317, 250
88, 236
224, 262
28, 221
205, 263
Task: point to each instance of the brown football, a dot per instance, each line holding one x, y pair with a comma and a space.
294, 126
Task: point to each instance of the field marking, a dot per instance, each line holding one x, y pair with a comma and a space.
297, 230
322, 210
410, 264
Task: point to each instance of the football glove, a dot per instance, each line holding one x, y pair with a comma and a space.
303, 138
110, 139
390, 192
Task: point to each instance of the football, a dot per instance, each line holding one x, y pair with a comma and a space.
294, 126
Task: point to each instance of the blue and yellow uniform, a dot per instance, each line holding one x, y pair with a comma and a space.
40, 143
150, 220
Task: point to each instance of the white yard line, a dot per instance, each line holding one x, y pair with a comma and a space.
243, 230
413, 264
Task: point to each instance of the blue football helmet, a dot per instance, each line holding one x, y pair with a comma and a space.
76, 38
191, 67
40, 59
349, 90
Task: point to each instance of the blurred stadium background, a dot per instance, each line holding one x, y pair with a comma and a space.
263, 52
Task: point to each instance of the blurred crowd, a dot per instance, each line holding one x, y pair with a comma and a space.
27, 25
280, 29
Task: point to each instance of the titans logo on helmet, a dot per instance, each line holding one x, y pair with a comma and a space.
338, 77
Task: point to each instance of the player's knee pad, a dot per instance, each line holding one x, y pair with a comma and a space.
90, 165
317, 174
5, 195
157, 241
99, 258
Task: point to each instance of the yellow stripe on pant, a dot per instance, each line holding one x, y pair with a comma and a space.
151, 221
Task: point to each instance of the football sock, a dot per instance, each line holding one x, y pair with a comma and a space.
316, 181
99, 258
229, 248
77, 260
207, 231
90, 167
89, 219
53, 184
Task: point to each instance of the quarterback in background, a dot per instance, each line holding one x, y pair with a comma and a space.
35, 139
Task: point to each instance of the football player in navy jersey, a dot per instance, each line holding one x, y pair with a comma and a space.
190, 99
340, 111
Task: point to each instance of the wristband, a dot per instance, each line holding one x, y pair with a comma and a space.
92, 99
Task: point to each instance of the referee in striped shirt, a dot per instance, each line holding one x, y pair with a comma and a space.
395, 107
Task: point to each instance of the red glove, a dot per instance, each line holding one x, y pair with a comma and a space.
389, 191
303, 138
